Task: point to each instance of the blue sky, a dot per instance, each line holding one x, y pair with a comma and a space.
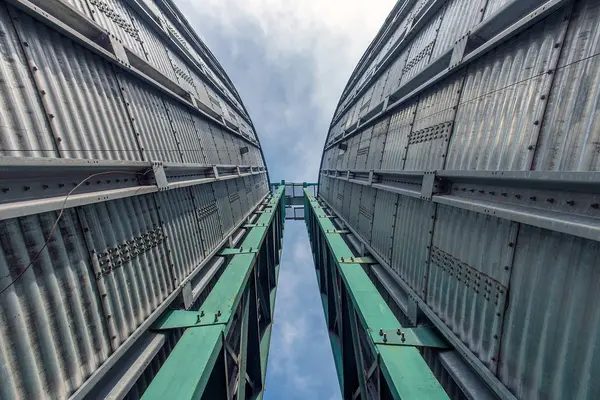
290, 60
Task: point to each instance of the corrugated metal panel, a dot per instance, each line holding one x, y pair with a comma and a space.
570, 135
24, 129
114, 15
155, 51
81, 96
383, 223
377, 144
550, 340
221, 147
412, 236
496, 118
362, 151
493, 6
139, 276
354, 192
150, 120
207, 140
81, 6
208, 215
428, 141
468, 279
395, 73
421, 47
233, 145
185, 132
52, 333
397, 138
224, 205
458, 19
378, 87
182, 72
366, 212
246, 193
180, 224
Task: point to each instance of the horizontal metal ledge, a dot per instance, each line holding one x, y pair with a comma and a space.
85, 32
567, 180
571, 224
116, 356
524, 22
482, 371
415, 337
37, 170
356, 260
177, 319
234, 252
587, 227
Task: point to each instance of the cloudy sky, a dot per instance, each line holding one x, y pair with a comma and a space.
289, 61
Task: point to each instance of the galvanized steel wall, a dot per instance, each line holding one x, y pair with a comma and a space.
133, 129
480, 199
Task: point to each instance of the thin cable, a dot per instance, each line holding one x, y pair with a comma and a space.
60, 214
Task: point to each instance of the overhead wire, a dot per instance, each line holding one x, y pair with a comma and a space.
60, 214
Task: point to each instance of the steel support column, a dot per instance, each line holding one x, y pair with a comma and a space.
373, 355
223, 351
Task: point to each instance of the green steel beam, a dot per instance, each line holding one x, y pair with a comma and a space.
386, 369
196, 368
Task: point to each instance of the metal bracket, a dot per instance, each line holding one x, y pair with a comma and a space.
427, 186
357, 260
265, 212
177, 319
186, 294
261, 225
338, 231
458, 51
159, 176
233, 252
327, 216
415, 337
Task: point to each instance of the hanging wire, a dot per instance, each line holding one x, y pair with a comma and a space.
60, 214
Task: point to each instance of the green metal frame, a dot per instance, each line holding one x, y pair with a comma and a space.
371, 357
223, 352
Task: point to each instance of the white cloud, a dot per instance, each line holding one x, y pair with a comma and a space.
308, 47
290, 60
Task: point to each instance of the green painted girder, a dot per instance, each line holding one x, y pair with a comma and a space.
195, 369
405, 372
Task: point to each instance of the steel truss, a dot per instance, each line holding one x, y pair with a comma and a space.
223, 351
375, 356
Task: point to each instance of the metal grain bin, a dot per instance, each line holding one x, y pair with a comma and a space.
127, 160
480, 199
